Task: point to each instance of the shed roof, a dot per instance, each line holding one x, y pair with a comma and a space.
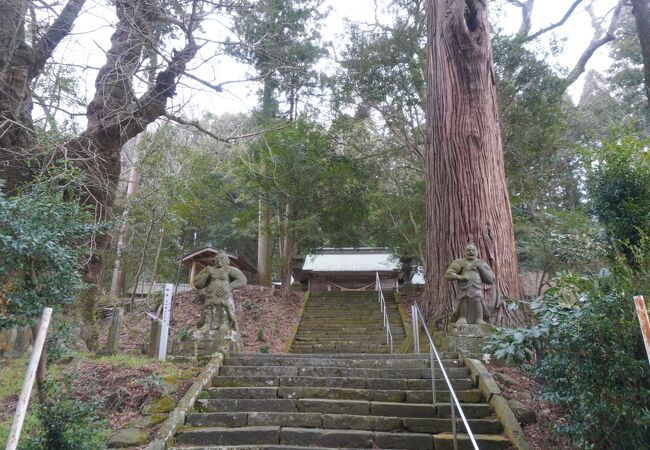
205, 256
351, 260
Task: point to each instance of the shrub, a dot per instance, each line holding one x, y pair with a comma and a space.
591, 357
619, 190
66, 423
40, 252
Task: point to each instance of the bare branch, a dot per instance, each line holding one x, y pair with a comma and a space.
59, 29
228, 140
526, 16
197, 125
561, 22
601, 37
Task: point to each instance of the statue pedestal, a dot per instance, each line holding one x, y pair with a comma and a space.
468, 339
206, 343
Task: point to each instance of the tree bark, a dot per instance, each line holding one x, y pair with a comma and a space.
264, 245
467, 197
117, 282
20, 64
641, 11
288, 250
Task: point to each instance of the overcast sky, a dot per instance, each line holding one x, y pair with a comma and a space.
95, 26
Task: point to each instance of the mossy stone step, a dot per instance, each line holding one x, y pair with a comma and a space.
332, 362
229, 436
445, 441
340, 393
338, 421
344, 382
396, 356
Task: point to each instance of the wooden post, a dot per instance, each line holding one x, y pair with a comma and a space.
192, 273
23, 400
642, 312
164, 332
114, 332
154, 338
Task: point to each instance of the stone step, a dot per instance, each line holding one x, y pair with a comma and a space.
229, 436
374, 350
397, 356
353, 331
336, 382
354, 407
249, 447
445, 441
308, 437
294, 392
349, 326
366, 338
338, 421
379, 339
253, 360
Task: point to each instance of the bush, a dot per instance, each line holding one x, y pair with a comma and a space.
40, 252
619, 190
591, 357
66, 423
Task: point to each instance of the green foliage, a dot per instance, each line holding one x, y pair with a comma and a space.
592, 358
40, 252
313, 187
286, 37
550, 241
260, 335
265, 349
67, 423
540, 154
619, 189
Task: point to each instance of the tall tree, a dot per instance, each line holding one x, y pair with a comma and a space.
467, 196
118, 110
279, 38
641, 11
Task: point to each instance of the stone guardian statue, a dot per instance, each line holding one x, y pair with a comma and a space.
471, 273
217, 330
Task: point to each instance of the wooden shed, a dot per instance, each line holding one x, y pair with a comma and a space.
347, 269
199, 259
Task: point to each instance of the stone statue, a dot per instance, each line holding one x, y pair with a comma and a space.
219, 281
471, 273
217, 331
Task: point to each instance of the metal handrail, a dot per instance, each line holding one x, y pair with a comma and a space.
416, 314
382, 306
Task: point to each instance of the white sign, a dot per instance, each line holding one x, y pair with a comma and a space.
164, 331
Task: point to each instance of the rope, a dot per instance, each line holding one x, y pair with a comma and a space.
363, 288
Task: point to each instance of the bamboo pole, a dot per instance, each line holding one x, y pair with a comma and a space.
644, 322
25, 393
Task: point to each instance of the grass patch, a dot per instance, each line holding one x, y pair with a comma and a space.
12, 374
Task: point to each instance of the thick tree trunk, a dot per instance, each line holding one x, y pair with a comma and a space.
20, 63
641, 11
467, 197
264, 245
114, 115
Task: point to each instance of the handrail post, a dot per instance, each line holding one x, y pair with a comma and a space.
453, 421
453, 399
433, 378
384, 311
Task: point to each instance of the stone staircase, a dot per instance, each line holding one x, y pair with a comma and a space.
335, 401
338, 390
347, 322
